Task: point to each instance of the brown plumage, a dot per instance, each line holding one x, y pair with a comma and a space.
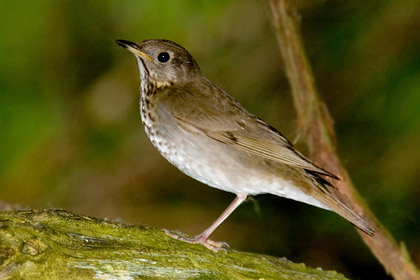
209, 136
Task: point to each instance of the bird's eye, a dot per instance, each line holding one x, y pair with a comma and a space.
164, 57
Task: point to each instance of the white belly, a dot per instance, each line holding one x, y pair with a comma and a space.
219, 165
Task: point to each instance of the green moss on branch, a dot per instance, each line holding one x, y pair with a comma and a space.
57, 244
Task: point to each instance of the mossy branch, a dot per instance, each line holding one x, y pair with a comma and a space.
316, 126
57, 244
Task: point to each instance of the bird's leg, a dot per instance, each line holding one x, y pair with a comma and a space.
203, 237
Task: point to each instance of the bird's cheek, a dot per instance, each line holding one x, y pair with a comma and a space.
170, 75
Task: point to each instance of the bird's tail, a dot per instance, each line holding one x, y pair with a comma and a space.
333, 200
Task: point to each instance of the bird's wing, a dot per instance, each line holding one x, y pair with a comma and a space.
220, 117
281, 151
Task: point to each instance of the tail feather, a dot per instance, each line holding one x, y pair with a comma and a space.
328, 195
344, 211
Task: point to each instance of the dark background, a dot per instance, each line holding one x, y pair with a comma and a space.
71, 136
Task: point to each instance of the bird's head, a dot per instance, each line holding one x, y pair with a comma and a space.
162, 62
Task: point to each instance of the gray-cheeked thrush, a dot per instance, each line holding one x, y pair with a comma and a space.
209, 136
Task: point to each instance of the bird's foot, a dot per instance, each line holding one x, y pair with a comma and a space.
215, 246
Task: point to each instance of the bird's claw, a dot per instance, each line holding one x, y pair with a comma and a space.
215, 246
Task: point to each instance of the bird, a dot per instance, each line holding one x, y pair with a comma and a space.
211, 137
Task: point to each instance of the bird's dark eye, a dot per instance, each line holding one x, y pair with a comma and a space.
164, 57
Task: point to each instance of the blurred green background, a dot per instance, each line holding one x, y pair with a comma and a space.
71, 135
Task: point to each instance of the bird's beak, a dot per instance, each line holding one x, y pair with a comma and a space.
133, 47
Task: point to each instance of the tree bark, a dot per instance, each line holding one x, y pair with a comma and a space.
57, 244
315, 125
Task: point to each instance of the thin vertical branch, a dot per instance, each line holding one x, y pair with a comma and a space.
315, 125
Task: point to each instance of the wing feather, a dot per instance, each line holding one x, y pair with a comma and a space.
281, 152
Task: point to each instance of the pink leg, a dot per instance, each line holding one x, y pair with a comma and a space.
203, 237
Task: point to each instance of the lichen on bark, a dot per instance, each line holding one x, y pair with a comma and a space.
57, 244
